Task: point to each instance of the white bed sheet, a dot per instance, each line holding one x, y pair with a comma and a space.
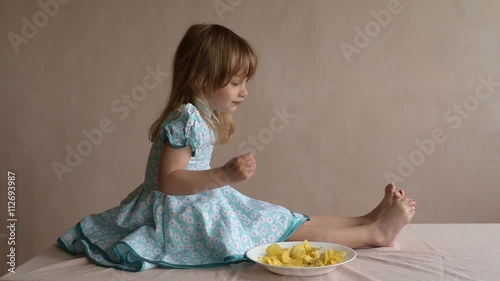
431, 252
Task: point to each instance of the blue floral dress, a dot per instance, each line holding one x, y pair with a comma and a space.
206, 229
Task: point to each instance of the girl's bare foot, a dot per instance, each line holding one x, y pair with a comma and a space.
390, 194
397, 216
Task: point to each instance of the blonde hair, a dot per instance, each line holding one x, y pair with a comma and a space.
207, 57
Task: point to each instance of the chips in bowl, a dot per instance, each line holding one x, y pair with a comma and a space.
301, 258
301, 255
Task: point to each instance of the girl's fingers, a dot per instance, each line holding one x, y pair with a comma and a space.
248, 156
249, 162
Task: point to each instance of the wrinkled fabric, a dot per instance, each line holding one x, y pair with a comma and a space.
206, 229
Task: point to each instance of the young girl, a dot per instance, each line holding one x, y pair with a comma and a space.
186, 214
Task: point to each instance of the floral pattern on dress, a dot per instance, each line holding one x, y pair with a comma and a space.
150, 228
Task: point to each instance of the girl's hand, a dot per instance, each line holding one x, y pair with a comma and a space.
240, 168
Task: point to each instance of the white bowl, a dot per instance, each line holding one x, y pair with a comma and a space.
260, 251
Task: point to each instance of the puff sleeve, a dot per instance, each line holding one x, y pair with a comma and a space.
184, 129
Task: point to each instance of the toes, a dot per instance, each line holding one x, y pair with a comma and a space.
402, 192
399, 194
412, 202
389, 189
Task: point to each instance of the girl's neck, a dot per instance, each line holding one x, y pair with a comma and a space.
205, 106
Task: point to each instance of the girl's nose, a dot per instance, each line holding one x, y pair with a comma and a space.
243, 93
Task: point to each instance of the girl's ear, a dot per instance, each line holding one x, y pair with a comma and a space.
199, 82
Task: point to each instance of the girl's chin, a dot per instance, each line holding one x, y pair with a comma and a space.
228, 109
231, 109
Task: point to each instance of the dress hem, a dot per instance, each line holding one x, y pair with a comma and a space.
138, 265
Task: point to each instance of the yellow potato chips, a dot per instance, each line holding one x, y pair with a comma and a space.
302, 255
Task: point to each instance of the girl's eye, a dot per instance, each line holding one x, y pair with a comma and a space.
237, 83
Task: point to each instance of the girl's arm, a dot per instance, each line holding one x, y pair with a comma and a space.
174, 179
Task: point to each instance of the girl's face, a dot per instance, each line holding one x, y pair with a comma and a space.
228, 98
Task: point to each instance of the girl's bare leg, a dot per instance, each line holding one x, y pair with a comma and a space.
390, 194
381, 232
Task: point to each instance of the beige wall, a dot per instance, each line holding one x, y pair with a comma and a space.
356, 117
